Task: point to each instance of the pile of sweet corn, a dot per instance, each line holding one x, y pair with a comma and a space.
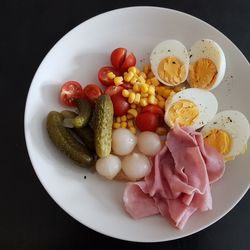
146, 89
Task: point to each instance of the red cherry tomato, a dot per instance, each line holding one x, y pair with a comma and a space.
120, 104
70, 91
130, 61
156, 110
118, 57
112, 90
91, 92
147, 121
121, 61
103, 78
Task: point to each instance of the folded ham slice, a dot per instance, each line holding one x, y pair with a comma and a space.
179, 182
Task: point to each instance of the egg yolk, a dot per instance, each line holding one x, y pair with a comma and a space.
220, 140
183, 112
202, 74
171, 70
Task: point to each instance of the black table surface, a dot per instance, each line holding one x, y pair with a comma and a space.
29, 218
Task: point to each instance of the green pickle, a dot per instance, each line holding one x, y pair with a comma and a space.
86, 134
102, 124
66, 142
85, 112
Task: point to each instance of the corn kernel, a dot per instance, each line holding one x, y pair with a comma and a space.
144, 88
166, 93
137, 98
161, 103
144, 95
137, 71
143, 75
155, 81
133, 112
130, 123
118, 80
128, 76
129, 116
132, 69
133, 80
133, 130
161, 131
151, 90
136, 87
160, 98
125, 92
116, 125
123, 124
143, 102
141, 79
133, 106
159, 90
150, 74
178, 88
131, 97
124, 118
152, 99
146, 68
118, 119
111, 75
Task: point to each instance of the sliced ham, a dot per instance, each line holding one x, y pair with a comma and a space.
179, 182
137, 203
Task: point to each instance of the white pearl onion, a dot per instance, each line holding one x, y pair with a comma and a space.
108, 166
136, 165
149, 143
123, 141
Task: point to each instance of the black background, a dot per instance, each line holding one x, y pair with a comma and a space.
29, 218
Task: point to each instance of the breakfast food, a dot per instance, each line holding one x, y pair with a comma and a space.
156, 129
228, 132
179, 183
170, 61
190, 107
207, 64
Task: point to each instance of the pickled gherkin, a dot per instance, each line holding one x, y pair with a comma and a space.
85, 112
102, 123
66, 142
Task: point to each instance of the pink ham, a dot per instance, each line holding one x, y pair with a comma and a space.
179, 182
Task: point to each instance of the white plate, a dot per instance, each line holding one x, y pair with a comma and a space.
95, 202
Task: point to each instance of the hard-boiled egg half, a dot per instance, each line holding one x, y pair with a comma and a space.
228, 133
170, 62
207, 64
190, 107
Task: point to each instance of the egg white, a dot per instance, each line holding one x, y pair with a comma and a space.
209, 49
204, 100
235, 124
166, 49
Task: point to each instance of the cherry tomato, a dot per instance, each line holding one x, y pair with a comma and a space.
112, 90
156, 110
127, 85
130, 61
91, 92
103, 78
118, 57
147, 121
120, 104
121, 61
70, 91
